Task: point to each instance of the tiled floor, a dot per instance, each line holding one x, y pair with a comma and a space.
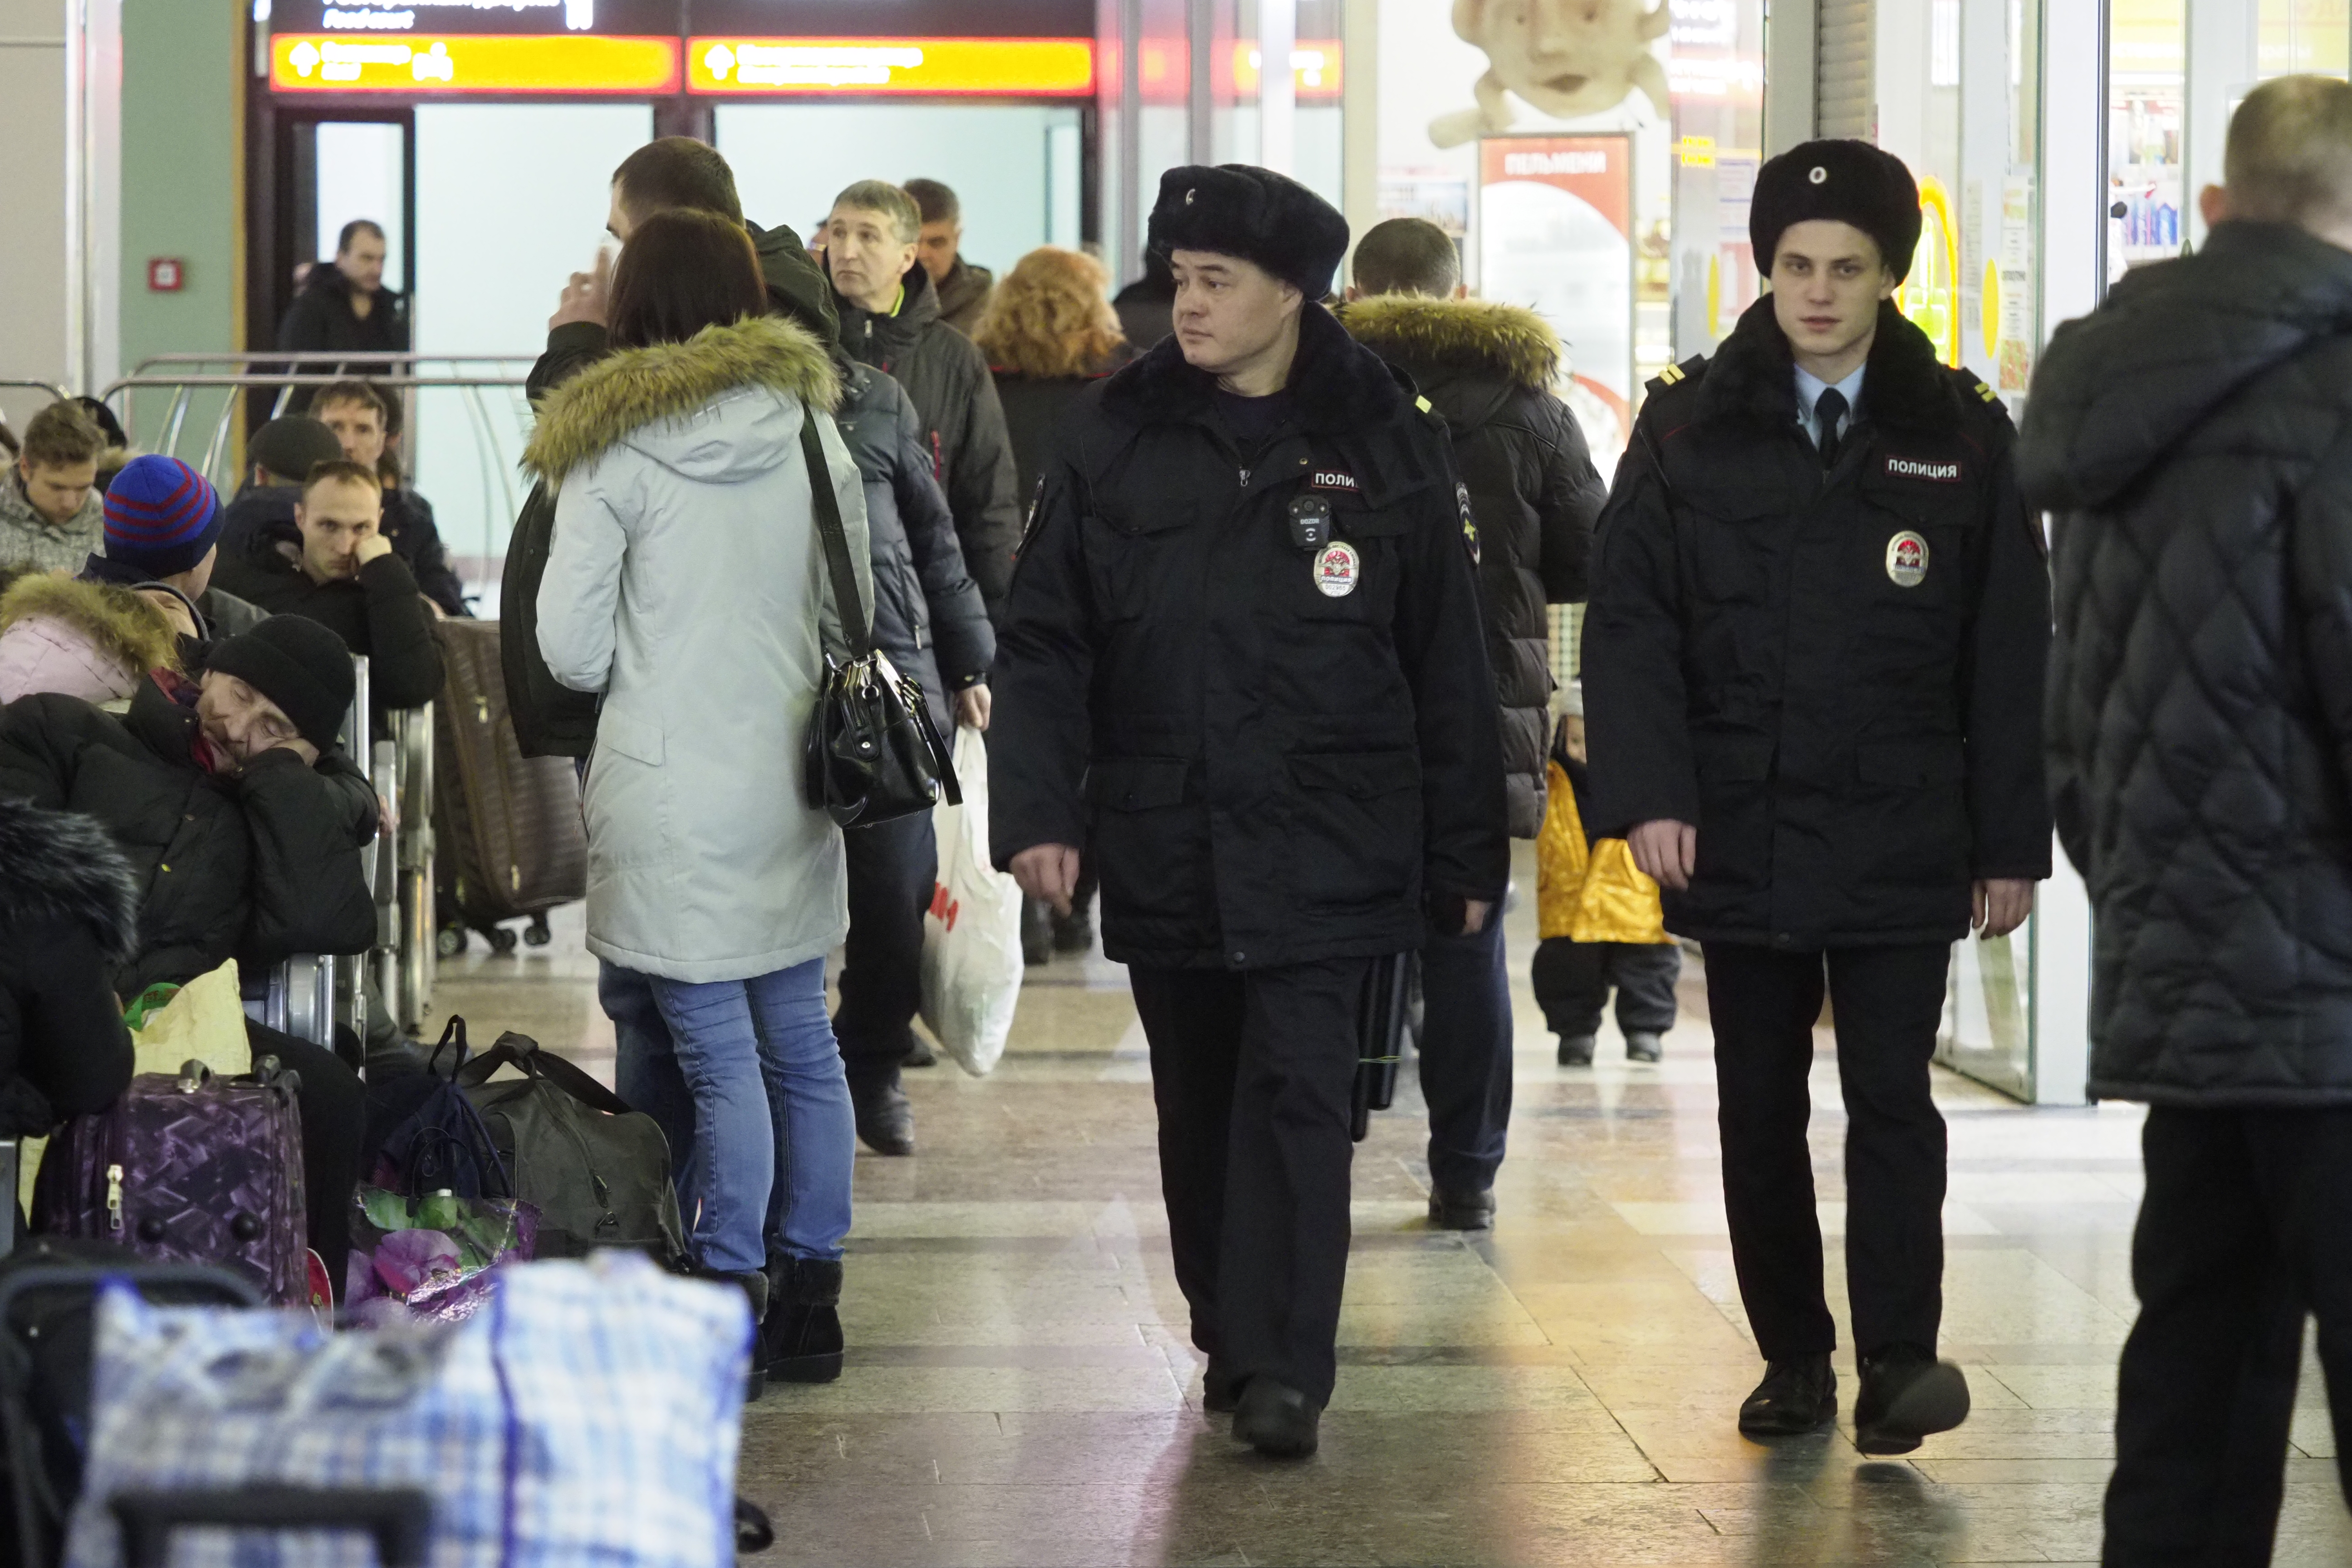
1020, 1390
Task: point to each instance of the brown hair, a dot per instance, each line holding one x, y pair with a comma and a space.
359, 392
677, 172
1407, 255
681, 272
1049, 317
62, 437
2289, 157
340, 469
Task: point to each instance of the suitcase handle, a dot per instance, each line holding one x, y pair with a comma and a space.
399, 1520
229, 1290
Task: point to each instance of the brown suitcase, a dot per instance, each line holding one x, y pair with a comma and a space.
507, 833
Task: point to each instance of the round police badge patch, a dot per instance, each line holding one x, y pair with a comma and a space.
1336, 570
1906, 559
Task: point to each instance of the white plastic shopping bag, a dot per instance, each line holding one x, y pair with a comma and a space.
971, 937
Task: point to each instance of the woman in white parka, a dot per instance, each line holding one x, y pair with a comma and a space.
687, 583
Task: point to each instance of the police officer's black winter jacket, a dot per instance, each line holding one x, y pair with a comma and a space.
1837, 678
1486, 368
2192, 437
1268, 770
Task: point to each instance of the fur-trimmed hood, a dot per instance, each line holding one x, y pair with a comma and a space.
1464, 337
58, 866
603, 404
119, 624
1751, 378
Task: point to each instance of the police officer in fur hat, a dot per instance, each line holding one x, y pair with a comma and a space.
1242, 662
1813, 678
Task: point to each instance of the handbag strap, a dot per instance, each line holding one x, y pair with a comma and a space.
845, 600
525, 1054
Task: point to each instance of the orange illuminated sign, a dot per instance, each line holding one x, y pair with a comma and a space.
1314, 68
1012, 67
311, 62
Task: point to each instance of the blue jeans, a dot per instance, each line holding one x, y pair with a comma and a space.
646, 1073
771, 1129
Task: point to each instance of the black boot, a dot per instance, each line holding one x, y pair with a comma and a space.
1906, 1394
802, 1334
1277, 1419
1075, 933
1218, 1394
1798, 1395
755, 1291
1462, 1208
885, 1119
1037, 932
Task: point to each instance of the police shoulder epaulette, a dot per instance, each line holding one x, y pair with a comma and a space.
1692, 369
1971, 382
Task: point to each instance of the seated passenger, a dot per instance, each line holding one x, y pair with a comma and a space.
49, 505
346, 578
163, 522
90, 640
242, 821
363, 420
68, 916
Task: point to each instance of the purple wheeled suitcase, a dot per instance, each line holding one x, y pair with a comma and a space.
189, 1169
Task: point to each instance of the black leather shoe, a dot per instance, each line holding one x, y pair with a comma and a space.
1640, 1047
1277, 1420
885, 1119
1798, 1395
802, 1333
1906, 1394
921, 1055
1576, 1050
1036, 932
1218, 1394
1075, 933
1462, 1210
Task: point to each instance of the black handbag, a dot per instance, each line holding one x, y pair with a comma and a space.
874, 754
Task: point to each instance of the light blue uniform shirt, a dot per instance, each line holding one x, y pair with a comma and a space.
1810, 388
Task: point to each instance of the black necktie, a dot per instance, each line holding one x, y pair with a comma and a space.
1827, 413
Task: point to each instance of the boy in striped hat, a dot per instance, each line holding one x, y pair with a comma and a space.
163, 535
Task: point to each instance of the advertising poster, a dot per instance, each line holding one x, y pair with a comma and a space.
1554, 233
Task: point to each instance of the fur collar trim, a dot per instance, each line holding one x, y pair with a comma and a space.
1475, 337
590, 414
126, 628
60, 866
1752, 378
1339, 386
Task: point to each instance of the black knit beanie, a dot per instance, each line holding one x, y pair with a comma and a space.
299, 665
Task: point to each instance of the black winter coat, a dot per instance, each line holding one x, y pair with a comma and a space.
1488, 369
268, 510
379, 614
947, 376
1265, 770
1034, 407
68, 916
928, 613
255, 866
1837, 679
322, 320
2190, 437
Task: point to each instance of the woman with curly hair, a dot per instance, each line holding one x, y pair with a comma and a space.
1049, 332
1049, 329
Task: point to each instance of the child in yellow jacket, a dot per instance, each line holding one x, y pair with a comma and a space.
1600, 925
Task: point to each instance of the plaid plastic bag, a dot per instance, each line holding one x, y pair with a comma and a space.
591, 1412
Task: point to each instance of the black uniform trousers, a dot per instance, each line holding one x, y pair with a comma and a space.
1889, 1002
2242, 1231
1465, 1056
1571, 982
1253, 1073
893, 871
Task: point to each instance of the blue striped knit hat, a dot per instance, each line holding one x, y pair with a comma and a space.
162, 516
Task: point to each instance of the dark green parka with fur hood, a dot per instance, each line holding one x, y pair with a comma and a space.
1488, 369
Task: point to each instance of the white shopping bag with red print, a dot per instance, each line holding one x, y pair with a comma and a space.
971, 936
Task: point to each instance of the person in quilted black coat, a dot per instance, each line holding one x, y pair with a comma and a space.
2193, 440
68, 915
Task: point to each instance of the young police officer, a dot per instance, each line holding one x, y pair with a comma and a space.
1813, 669
1242, 660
